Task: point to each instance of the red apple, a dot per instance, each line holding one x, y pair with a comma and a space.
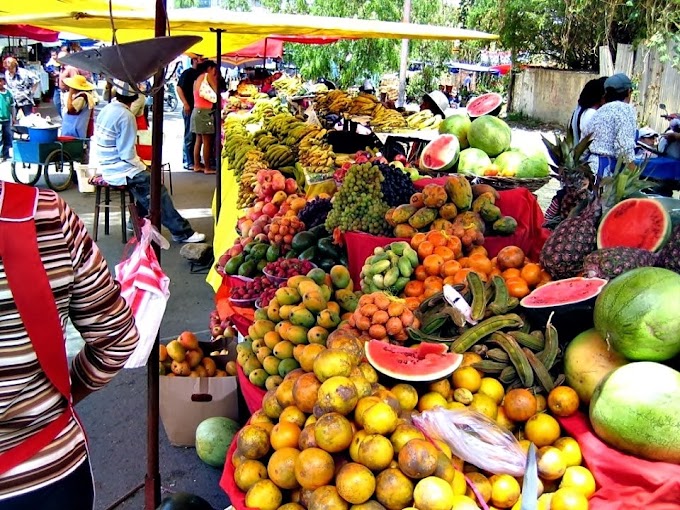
291, 186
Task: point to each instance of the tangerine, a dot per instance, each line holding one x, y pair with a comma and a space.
468, 378
541, 403
281, 468
437, 238
414, 288
542, 430
460, 278
470, 358
531, 273
455, 246
563, 401
505, 491
519, 404
579, 478
412, 303
450, 280
285, 434
444, 252
418, 239
568, 498
450, 268
314, 468
464, 262
492, 388
484, 404
462, 502
510, 257
545, 277
426, 248
420, 273
480, 263
517, 287
570, 449
511, 273
293, 414
433, 264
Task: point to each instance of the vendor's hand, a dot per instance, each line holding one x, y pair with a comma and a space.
187, 109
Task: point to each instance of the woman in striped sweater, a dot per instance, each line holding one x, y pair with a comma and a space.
50, 271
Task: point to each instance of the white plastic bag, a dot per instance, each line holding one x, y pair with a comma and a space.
145, 288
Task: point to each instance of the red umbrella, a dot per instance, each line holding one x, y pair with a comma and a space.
31, 32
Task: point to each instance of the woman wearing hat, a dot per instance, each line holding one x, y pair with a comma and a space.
78, 109
613, 127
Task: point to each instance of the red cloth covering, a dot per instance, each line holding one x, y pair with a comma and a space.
625, 482
236, 497
242, 318
252, 394
519, 203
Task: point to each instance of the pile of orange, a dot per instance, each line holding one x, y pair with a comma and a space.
442, 262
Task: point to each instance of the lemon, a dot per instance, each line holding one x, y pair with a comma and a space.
493, 388
484, 404
430, 401
406, 395
432, 493
579, 478
468, 378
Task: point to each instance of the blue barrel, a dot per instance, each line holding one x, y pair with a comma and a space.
43, 135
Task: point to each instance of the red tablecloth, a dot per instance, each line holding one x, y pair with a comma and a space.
252, 394
519, 203
236, 497
625, 482
242, 318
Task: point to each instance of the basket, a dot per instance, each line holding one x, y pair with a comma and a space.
43, 135
506, 183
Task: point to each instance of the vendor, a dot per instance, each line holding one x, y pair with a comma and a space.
437, 102
78, 120
367, 87
22, 84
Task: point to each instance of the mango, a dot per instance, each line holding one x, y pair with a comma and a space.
284, 350
318, 275
273, 310
402, 213
261, 314
314, 301
287, 296
404, 230
317, 335
176, 351
459, 191
307, 286
448, 211
347, 299
300, 316
294, 281
297, 335
284, 311
326, 292
340, 277
328, 319
505, 226
258, 329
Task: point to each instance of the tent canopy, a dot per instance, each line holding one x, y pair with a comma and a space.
240, 28
30, 32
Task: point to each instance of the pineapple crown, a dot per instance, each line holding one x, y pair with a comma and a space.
564, 153
626, 180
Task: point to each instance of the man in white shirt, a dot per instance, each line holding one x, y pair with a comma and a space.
116, 135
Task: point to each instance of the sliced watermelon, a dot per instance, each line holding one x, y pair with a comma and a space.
635, 223
426, 362
486, 104
564, 292
440, 154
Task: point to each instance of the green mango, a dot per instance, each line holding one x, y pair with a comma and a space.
247, 268
259, 251
232, 266
273, 253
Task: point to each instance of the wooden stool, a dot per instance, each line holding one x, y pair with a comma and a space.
100, 184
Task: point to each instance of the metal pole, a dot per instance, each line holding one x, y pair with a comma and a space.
264, 59
152, 480
404, 57
218, 131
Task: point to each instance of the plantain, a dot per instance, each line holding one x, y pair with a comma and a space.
483, 329
517, 357
540, 370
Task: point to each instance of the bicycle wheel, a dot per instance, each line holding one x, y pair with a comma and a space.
169, 103
58, 170
26, 173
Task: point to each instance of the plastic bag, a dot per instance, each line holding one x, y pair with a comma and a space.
474, 438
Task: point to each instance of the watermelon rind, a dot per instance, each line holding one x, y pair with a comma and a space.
559, 289
638, 313
419, 364
486, 104
635, 223
451, 151
636, 410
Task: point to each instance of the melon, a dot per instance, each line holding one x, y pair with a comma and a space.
535, 166
489, 134
636, 410
509, 162
635, 223
638, 313
213, 437
425, 362
440, 154
457, 125
473, 162
486, 104
587, 360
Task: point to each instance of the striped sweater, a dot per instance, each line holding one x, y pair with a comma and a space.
86, 292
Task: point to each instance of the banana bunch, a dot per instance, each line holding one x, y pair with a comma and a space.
234, 145
364, 104
424, 119
279, 156
318, 158
284, 124
246, 189
241, 155
265, 140
287, 86
314, 134
266, 108
296, 132
511, 351
335, 101
386, 120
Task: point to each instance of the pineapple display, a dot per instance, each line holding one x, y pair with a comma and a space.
565, 250
609, 263
669, 256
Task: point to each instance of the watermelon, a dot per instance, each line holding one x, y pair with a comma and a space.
636, 409
457, 125
638, 313
425, 362
184, 501
486, 104
509, 162
213, 437
635, 223
473, 162
440, 154
490, 134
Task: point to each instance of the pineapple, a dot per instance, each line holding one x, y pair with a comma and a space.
609, 263
565, 250
669, 256
575, 176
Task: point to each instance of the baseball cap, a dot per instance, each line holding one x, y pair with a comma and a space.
618, 82
647, 132
123, 88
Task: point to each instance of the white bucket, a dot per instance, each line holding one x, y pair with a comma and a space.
84, 172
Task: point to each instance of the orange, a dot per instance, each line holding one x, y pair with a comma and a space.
468, 378
510, 257
494, 272
433, 285
461, 276
437, 238
519, 404
433, 264
480, 263
511, 273
517, 287
478, 250
570, 449
417, 240
414, 288
494, 261
545, 277
563, 401
531, 273
464, 262
450, 280
285, 434
455, 245
413, 302
444, 252
505, 491
426, 248
481, 483
568, 499
579, 478
542, 430
551, 464
541, 403
450, 268
470, 358
420, 273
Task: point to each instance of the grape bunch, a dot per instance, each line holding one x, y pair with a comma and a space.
315, 212
359, 204
397, 187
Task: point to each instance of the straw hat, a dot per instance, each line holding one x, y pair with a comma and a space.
78, 82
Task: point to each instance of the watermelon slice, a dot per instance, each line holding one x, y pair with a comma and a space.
486, 104
440, 154
564, 292
635, 223
426, 362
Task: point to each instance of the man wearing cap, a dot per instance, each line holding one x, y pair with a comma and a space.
648, 137
120, 165
612, 127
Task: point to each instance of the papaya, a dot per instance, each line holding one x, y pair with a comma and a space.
459, 191
481, 200
490, 213
469, 220
479, 189
417, 200
404, 230
423, 218
448, 211
440, 224
403, 213
388, 216
505, 226
434, 195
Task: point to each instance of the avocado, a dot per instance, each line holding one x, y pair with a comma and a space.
247, 268
249, 246
232, 266
302, 240
273, 253
326, 264
261, 264
327, 248
319, 231
308, 254
259, 251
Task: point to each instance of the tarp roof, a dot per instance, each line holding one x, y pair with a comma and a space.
31, 32
241, 28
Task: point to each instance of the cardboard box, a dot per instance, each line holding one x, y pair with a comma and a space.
186, 401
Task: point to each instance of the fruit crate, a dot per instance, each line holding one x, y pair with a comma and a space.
506, 183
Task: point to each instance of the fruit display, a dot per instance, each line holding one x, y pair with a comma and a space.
427, 362
183, 357
248, 260
635, 223
387, 120
457, 125
397, 186
220, 328
383, 317
213, 438
287, 86
317, 246
389, 268
423, 120
441, 154
266, 107
485, 104
489, 134
609, 263
286, 268
359, 204
457, 208
250, 291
